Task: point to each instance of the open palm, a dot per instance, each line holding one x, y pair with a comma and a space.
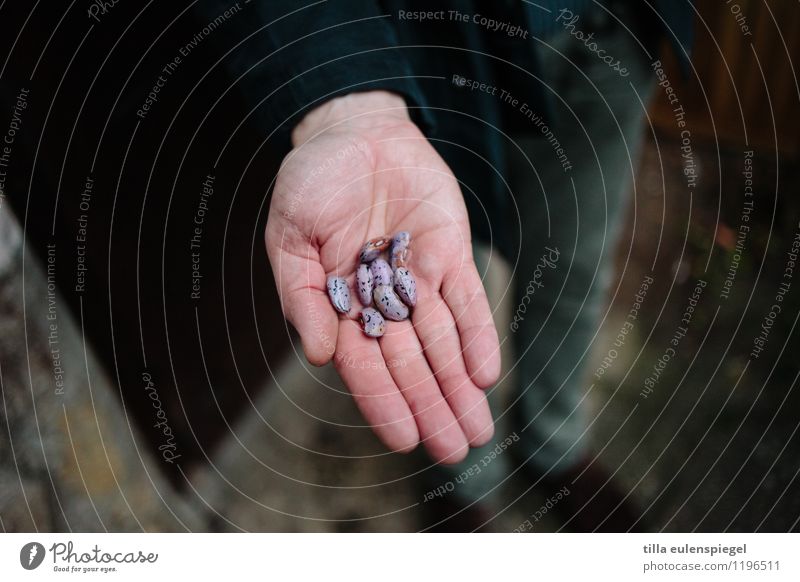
423, 380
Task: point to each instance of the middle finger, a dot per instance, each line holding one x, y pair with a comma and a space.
438, 428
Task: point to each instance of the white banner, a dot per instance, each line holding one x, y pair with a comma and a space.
400, 557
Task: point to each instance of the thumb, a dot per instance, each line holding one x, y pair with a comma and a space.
302, 288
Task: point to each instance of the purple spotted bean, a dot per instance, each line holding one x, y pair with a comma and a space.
373, 248
399, 257
401, 239
364, 284
339, 294
381, 272
400, 253
406, 286
389, 304
372, 322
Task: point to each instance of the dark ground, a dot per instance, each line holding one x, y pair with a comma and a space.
714, 446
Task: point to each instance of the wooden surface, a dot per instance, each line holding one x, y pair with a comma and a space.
744, 88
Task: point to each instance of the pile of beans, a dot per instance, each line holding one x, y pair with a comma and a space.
386, 289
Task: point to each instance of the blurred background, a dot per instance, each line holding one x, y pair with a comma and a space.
127, 406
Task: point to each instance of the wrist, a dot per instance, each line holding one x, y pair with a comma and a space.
365, 110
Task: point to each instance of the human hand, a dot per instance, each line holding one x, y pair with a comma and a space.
360, 168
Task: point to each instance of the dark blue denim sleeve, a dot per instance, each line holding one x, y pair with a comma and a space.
293, 55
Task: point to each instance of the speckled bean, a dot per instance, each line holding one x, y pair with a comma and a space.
372, 322
364, 284
389, 304
399, 254
381, 272
400, 258
401, 239
339, 294
373, 248
406, 286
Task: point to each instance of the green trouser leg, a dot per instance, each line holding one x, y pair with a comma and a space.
571, 216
